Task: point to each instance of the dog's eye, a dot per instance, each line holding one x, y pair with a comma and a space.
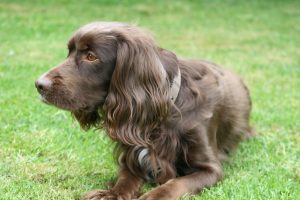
90, 56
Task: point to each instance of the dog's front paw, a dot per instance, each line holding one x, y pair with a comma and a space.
104, 195
158, 194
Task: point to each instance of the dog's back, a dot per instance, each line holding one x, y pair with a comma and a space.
230, 111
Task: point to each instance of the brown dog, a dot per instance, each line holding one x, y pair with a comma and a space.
174, 120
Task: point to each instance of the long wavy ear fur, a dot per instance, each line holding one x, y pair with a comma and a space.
137, 101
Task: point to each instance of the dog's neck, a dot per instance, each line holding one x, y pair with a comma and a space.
175, 86
169, 67
144, 151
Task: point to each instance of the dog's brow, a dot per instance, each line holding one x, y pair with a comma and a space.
81, 47
71, 44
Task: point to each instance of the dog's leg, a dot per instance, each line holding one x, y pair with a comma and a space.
207, 172
189, 184
126, 188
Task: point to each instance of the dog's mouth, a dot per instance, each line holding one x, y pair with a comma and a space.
62, 102
44, 100
58, 101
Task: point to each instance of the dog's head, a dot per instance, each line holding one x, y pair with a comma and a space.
115, 68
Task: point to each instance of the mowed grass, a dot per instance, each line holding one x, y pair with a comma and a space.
45, 155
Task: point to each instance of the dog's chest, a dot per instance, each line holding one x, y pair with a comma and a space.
155, 168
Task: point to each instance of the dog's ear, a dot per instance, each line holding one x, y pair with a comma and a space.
138, 95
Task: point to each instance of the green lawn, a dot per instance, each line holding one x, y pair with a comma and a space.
45, 155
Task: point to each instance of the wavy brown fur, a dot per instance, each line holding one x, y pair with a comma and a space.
126, 90
137, 101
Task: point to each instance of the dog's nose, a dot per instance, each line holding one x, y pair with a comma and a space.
43, 84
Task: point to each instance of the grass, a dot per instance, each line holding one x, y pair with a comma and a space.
44, 154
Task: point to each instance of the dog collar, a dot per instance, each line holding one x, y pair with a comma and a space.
143, 153
143, 159
142, 156
175, 86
